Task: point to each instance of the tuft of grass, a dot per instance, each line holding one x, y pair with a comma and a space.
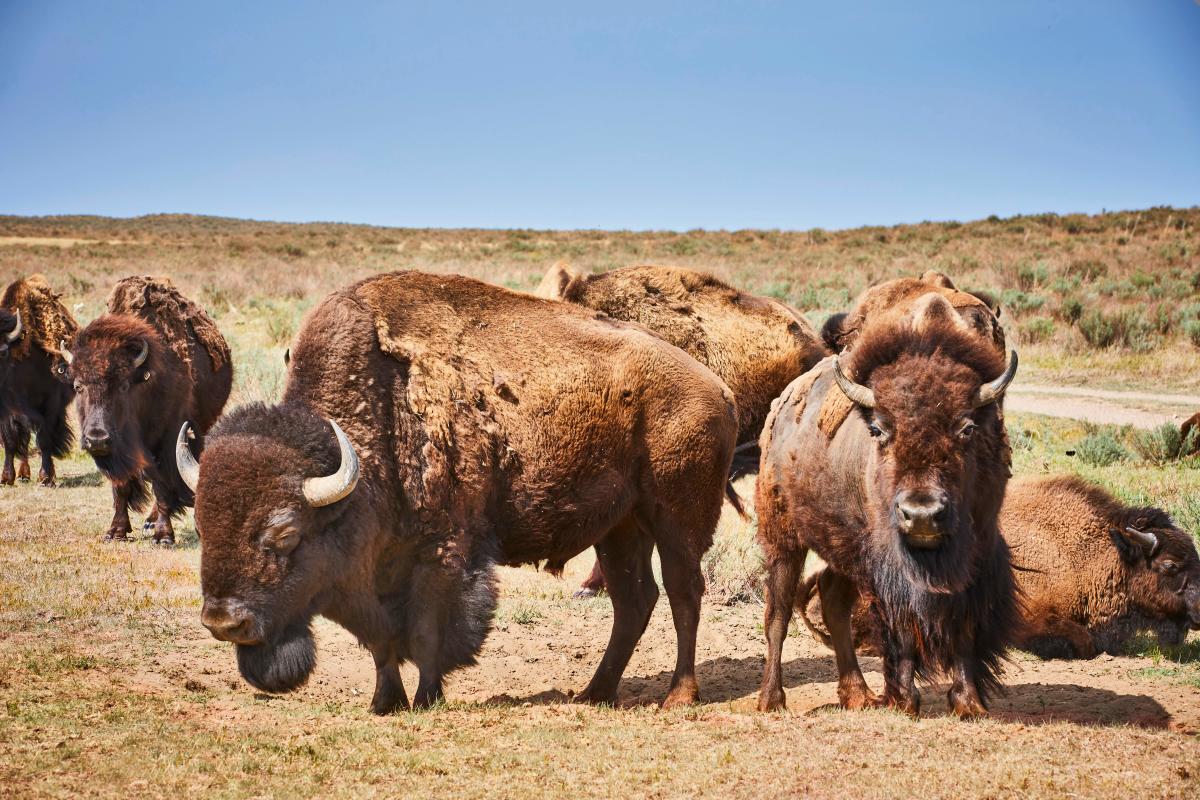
1100, 449
1163, 444
1122, 328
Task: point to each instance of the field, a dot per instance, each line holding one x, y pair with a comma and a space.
110, 686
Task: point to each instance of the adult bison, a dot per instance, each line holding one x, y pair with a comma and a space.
979, 310
1093, 571
33, 393
482, 427
755, 344
153, 361
900, 499
1189, 436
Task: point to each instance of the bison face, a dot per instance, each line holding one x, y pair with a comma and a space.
939, 466
1164, 569
111, 367
269, 560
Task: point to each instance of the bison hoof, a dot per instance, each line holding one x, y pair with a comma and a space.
588, 697
7, 479
116, 536
148, 525
679, 697
583, 593
772, 700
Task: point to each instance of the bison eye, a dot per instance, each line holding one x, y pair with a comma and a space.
1168, 567
874, 430
282, 541
967, 429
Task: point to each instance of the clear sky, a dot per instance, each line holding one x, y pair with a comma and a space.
617, 115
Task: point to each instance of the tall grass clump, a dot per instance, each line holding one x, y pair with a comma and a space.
1123, 328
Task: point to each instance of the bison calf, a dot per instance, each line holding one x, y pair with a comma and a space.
900, 499
481, 427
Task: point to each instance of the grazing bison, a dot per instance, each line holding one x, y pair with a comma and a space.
33, 392
153, 361
482, 427
1190, 436
900, 499
755, 344
979, 310
1093, 572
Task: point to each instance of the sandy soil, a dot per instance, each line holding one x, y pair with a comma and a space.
1101, 406
552, 655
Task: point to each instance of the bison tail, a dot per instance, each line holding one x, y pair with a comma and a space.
804, 595
735, 500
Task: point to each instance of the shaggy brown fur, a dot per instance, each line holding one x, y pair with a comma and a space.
946, 606
179, 321
492, 427
900, 296
129, 414
1089, 586
757, 345
33, 393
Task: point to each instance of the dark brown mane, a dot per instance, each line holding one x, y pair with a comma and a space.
886, 339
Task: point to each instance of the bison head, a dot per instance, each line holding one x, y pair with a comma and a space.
112, 365
268, 487
929, 392
11, 331
1162, 565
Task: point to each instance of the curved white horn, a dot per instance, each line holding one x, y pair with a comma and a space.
331, 488
66, 354
861, 395
16, 332
1144, 538
141, 357
991, 392
185, 462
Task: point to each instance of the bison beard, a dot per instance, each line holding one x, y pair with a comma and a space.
282, 665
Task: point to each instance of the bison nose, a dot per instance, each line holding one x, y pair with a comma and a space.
921, 517
229, 621
96, 441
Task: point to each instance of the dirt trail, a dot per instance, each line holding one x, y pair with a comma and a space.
1102, 406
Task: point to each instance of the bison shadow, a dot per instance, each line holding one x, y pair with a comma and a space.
725, 680
93, 478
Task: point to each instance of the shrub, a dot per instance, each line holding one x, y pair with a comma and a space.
1124, 328
1038, 329
1071, 310
1163, 444
1192, 329
1087, 269
1100, 449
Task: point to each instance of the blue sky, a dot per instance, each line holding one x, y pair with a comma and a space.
634, 115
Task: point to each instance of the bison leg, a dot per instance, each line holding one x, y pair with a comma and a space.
160, 519
594, 584
9, 476
120, 528
964, 697
45, 442
899, 673
23, 471
1049, 635
783, 576
624, 556
684, 581
838, 598
389, 688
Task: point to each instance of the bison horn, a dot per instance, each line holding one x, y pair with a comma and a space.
185, 462
142, 355
991, 392
1144, 539
66, 354
16, 332
331, 488
861, 395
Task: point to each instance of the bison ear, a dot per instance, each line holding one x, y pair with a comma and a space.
1139, 542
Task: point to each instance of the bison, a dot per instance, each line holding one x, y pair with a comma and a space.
757, 345
1189, 436
1096, 571
1093, 571
900, 498
431, 428
34, 395
155, 360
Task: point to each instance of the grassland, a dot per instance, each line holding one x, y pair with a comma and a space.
109, 687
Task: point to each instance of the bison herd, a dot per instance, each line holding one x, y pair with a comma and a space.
433, 427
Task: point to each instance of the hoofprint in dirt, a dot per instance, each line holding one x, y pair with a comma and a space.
1140, 409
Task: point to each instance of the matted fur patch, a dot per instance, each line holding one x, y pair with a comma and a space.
834, 410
